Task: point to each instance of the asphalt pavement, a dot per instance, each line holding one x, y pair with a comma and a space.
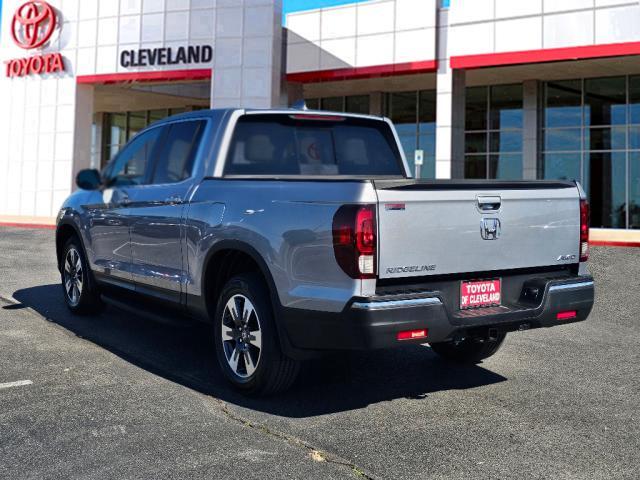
120, 396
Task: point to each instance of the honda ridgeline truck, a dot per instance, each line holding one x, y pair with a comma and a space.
297, 232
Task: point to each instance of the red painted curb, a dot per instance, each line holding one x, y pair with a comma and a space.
28, 225
614, 244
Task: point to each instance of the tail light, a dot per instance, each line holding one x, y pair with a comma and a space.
412, 334
569, 315
584, 230
355, 240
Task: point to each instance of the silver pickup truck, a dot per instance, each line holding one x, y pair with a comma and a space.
295, 232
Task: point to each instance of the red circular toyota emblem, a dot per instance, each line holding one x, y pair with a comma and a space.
33, 24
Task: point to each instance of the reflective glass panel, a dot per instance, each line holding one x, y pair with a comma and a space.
117, 128
634, 100
505, 166
634, 190
312, 103
506, 141
357, 104
605, 179
563, 139
332, 104
476, 108
475, 166
403, 108
561, 166
137, 122
634, 138
614, 138
476, 142
563, 104
605, 101
506, 107
155, 115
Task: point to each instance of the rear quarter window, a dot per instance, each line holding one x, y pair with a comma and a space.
285, 145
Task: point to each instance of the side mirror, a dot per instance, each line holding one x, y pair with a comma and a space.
88, 179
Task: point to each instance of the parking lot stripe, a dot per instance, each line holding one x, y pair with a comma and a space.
21, 383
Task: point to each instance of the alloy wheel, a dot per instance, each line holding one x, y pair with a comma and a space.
73, 276
241, 336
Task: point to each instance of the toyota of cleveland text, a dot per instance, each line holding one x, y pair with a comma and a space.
295, 232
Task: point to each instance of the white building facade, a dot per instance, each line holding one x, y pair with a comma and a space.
509, 89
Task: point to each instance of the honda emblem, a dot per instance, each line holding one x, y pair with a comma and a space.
490, 228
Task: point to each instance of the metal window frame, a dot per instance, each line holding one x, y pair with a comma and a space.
488, 130
586, 151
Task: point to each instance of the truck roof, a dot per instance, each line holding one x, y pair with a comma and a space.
220, 112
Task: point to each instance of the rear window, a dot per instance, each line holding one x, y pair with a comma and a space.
286, 145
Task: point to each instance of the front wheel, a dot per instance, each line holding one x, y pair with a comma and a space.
80, 292
247, 346
470, 350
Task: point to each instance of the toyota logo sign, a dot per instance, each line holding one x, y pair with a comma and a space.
33, 24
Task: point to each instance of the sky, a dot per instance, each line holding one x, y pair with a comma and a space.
298, 5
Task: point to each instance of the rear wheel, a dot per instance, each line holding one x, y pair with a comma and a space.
470, 350
247, 346
80, 292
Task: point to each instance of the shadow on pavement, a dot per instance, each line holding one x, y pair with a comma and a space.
185, 354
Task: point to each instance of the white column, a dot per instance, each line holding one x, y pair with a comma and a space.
82, 131
450, 109
530, 90
247, 70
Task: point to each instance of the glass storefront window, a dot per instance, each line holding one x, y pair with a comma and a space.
563, 139
476, 142
312, 103
506, 107
505, 166
476, 108
350, 104
118, 129
332, 104
563, 104
600, 148
414, 116
122, 127
634, 100
610, 138
561, 166
357, 104
137, 122
605, 175
634, 190
494, 121
506, 141
605, 101
475, 167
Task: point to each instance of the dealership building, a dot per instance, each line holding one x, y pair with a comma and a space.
489, 89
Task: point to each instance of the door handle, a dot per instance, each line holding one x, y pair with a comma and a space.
489, 204
174, 200
125, 200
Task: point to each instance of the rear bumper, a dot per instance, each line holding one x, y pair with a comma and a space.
375, 322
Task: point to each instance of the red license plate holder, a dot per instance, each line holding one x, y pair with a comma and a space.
480, 293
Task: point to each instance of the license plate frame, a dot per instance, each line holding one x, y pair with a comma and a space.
477, 294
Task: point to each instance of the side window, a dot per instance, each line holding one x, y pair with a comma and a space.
130, 166
175, 162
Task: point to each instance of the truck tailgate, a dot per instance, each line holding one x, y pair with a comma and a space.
436, 228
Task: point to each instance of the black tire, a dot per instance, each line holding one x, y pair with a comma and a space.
258, 371
88, 300
470, 350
